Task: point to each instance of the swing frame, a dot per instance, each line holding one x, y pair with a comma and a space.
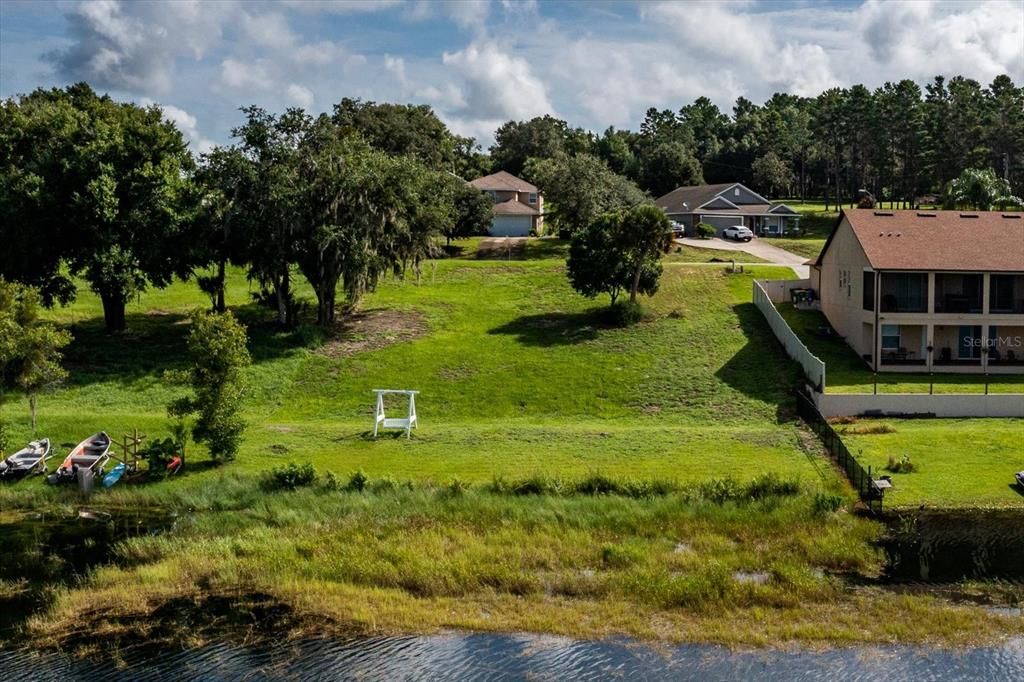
382, 421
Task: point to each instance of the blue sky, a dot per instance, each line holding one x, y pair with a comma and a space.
479, 63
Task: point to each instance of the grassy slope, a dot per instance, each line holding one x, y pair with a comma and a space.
959, 462
517, 374
847, 373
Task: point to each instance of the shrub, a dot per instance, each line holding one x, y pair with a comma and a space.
770, 485
331, 482
455, 488
903, 465
826, 503
158, 454
705, 231
357, 482
625, 313
291, 476
383, 485
720, 490
869, 430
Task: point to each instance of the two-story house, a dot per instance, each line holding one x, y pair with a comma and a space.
518, 205
725, 205
927, 291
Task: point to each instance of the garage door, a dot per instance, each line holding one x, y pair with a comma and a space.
511, 226
720, 222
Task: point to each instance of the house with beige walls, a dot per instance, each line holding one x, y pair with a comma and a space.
915, 291
518, 205
725, 205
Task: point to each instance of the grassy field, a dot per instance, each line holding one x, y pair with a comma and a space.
484, 248
845, 372
519, 377
516, 372
957, 462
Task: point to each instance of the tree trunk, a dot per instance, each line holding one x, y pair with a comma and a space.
32, 411
220, 305
281, 291
636, 283
113, 311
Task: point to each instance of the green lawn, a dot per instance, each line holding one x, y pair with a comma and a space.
803, 246
519, 376
845, 372
551, 248
517, 373
958, 462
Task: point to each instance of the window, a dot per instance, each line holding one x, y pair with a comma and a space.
890, 337
869, 291
904, 292
533, 197
957, 293
1007, 294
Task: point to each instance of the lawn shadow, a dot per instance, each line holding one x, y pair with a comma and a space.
556, 329
157, 341
760, 369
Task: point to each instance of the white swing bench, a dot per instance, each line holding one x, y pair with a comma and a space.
381, 421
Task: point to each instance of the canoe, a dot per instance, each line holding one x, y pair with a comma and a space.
92, 453
32, 458
1020, 478
115, 474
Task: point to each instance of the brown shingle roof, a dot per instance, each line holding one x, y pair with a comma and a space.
503, 181
990, 241
513, 207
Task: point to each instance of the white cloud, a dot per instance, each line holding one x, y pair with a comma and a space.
300, 96
271, 30
239, 75
497, 85
132, 47
323, 52
396, 65
341, 6
186, 123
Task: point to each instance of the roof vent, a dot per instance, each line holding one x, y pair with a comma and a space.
968, 215
1012, 216
884, 213
926, 215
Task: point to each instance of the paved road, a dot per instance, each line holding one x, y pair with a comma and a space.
773, 254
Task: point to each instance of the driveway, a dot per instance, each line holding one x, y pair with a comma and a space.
755, 247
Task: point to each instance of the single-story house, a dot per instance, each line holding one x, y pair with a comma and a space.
518, 205
725, 205
926, 291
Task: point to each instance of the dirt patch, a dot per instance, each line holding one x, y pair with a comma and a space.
512, 248
372, 329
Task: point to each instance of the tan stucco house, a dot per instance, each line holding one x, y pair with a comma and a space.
725, 205
518, 205
926, 291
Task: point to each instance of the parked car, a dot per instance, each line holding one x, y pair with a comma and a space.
739, 233
678, 229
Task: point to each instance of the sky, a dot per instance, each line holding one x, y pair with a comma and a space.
479, 63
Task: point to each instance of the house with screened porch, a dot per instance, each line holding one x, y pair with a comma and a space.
916, 291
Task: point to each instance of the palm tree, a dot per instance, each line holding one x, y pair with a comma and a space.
979, 189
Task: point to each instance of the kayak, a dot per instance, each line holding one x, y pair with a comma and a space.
115, 474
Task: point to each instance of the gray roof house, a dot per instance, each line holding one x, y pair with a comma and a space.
518, 205
727, 204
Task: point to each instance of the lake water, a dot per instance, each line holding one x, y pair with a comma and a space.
520, 657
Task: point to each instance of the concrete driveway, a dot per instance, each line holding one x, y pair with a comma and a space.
755, 247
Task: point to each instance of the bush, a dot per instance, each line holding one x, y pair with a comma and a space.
331, 482
770, 485
357, 482
291, 476
158, 455
455, 488
625, 313
826, 503
903, 465
705, 231
617, 556
720, 490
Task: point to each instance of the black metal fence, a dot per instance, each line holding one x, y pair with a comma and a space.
859, 477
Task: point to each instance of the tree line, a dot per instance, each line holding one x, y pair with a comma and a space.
108, 193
